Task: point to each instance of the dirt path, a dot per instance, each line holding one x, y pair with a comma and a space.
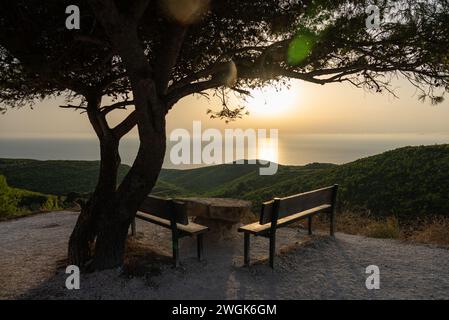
319, 268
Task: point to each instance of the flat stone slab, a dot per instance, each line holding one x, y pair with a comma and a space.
221, 215
224, 209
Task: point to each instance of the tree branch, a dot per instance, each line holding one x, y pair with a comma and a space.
167, 56
69, 106
119, 105
218, 65
126, 125
196, 87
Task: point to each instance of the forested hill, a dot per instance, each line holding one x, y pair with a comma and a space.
17, 202
406, 181
53, 177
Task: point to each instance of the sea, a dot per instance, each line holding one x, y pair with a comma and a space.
293, 149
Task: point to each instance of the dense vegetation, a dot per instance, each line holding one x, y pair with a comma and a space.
53, 177
17, 202
411, 181
406, 182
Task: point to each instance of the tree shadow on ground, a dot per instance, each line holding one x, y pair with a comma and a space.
148, 272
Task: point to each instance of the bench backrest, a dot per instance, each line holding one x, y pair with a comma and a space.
165, 209
298, 203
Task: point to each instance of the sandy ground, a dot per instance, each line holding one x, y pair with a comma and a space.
31, 250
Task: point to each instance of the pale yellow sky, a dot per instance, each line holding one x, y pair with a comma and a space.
304, 109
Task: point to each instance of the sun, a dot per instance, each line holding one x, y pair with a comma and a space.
272, 102
267, 149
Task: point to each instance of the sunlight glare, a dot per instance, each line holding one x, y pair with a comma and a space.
268, 150
269, 102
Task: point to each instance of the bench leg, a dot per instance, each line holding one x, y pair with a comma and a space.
133, 228
246, 249
309, 224
175, 252
272, 249
332, 224
199, 240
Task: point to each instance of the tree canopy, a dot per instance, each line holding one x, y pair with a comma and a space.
231, 43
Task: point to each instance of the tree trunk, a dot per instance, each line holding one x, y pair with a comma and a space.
105, 219
142, 177
138, 183
100, 205
111, 213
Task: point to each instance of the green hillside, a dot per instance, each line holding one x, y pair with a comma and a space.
17, 202
411, 181
203, 180
407, 181
53, 177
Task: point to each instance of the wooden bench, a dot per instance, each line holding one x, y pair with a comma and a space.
281, 212
171, 214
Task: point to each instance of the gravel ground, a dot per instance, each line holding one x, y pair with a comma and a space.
32, 250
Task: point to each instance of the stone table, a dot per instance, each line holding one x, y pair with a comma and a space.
221, 215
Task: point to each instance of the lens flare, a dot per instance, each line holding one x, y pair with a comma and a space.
300, 48
185, 11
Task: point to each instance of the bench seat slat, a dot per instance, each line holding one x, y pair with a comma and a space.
257, 228
191, 228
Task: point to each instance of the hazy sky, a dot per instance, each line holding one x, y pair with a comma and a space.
304, 109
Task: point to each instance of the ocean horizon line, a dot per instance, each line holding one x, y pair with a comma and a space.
292, 150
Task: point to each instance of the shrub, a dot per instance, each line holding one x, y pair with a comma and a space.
433, 231
384, 229
16, 202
